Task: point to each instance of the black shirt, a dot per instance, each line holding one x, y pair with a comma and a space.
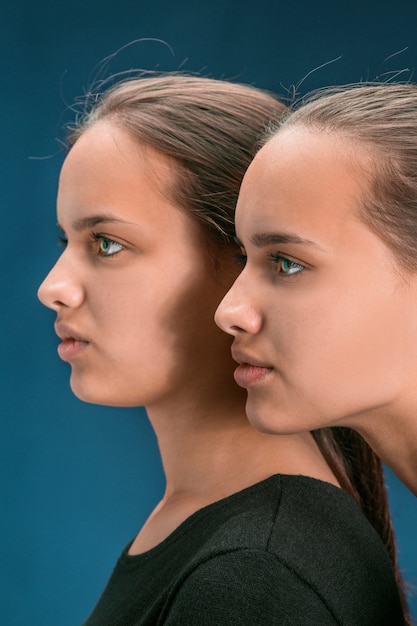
290, 551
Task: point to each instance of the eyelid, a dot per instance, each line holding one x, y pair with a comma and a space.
279, 260
98, 237
277, 256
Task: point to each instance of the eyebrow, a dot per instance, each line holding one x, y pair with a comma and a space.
85, 223
260, 240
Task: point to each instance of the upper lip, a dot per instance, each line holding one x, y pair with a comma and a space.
241, 356
67, 332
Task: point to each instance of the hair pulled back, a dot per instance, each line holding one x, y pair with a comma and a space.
210, 128
380, 121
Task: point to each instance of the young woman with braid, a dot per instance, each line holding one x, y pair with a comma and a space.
252, 528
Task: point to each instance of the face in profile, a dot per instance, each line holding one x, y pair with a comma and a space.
134, 289
321, 313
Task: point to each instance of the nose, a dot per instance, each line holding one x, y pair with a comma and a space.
61, 288
236, 313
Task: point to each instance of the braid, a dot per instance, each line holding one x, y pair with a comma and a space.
359, 471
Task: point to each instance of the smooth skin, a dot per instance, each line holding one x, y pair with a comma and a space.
323, 317
135, 292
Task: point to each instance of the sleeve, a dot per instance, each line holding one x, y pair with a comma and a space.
246, 587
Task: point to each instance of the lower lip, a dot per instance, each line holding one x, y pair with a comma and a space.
247, 375
68, 349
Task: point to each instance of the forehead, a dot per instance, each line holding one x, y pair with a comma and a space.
302, 155
106, 147
108, 172
303, 179
107, 165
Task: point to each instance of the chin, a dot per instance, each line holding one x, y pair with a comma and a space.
257, 418
93, 394
271, 420
102, 394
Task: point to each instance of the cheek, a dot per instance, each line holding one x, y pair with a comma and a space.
318, 327
351, 344
294, 326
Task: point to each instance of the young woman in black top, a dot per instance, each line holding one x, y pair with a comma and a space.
252, 528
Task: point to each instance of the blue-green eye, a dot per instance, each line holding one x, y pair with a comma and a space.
106, 246
285, 267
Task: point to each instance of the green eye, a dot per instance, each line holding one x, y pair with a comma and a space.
106, 247
285, 267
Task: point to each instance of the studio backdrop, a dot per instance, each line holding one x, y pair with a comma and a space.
79, 480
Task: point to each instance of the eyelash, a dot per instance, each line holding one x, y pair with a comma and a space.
241, 259
279, 259
96, 238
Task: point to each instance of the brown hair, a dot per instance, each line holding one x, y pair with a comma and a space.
212, 129
382, 120
360, 472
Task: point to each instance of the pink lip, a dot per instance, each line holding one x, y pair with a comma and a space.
246, 374
249, 370
68, 349
71, 344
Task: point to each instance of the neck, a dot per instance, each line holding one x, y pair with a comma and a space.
393, 436
210, 451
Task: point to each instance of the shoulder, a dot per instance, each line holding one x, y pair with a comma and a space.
314, 515
301, 521
246, 587
287, 513
288, 548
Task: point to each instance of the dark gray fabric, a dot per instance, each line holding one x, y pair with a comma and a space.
290, 551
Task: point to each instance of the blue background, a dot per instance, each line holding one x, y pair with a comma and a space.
78, 480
